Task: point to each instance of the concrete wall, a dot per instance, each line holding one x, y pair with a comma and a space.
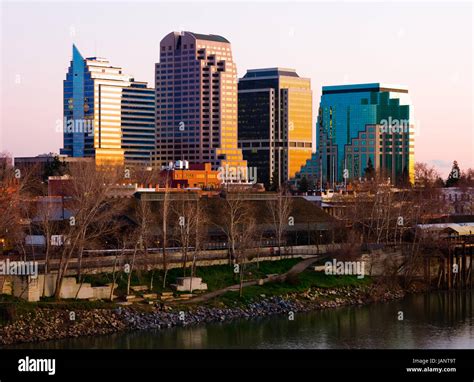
31, 289
26, 287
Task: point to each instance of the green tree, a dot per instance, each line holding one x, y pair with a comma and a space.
274, 184
454, 175
369, 170
303, 185
439, 182
404, 180
56, 167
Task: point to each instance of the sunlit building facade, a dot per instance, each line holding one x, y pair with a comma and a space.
196, 101
361, 123
195, 176
96, 97
275, 122
138, 123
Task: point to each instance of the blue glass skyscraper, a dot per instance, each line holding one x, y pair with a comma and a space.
107, 114
78, 96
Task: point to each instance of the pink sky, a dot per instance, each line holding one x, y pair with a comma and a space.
427, 47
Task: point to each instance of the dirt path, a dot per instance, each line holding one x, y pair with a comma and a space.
296, 269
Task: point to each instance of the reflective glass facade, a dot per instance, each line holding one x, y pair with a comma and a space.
275, 114
138, 123
78, 108
348, 134
256, 129
98, 99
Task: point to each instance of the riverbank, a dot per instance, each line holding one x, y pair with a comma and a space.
69, 320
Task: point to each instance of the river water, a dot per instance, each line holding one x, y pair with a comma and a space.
437, 320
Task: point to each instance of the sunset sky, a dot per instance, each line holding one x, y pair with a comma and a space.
425, 46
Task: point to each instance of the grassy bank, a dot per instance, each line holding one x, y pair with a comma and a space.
216, 277
303, 282
221, 276
11, 308
309, 290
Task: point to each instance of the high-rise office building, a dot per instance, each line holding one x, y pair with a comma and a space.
138, 123
98, 98
275, 122
362, 124
196, 101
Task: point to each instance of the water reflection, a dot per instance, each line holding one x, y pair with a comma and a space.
436, 320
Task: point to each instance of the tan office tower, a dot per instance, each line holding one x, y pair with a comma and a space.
196, 101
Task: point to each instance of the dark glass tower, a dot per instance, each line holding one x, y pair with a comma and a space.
138, 123
275, 122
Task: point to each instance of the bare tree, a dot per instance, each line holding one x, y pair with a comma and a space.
115, 274
92, 213
467, 178
50, 226
165, 211
373, 210
200, 234
144, 176
382, 214
141, 236
17, 195
245, 245
188, 217
235, 214
421, 206
425, 176
280, 209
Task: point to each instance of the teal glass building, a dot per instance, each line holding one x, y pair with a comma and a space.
361, 123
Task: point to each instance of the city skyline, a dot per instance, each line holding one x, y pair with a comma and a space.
240, 175
444, 80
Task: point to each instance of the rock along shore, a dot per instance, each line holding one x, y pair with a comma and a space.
44, 324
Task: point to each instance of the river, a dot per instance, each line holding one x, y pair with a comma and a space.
436, 320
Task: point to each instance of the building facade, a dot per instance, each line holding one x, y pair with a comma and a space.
194, 176
138, 123
275, 122
37, 166
96, 96
362, 127
196, 101
458, 200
